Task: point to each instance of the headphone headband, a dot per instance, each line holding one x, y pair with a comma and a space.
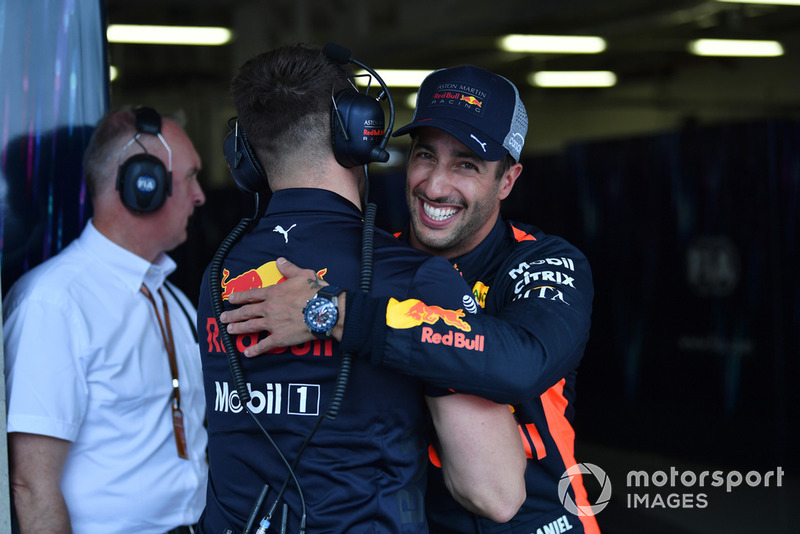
358, 132
142, 180
147, 120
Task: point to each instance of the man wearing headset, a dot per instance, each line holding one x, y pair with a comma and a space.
467, 134
293, 456
105, 406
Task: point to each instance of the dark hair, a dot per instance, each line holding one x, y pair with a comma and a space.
283, 99
504, 165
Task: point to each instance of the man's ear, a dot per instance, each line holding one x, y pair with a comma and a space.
508, 180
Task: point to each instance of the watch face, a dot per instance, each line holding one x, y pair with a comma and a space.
320, 314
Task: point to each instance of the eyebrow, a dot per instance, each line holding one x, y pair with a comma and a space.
464, 154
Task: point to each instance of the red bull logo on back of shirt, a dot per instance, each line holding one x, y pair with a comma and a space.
263, 276
317, 347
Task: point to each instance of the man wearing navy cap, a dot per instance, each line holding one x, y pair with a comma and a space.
467, 135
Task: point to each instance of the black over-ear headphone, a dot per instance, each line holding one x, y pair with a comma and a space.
247, 172
357, 121
358, 134
142, 180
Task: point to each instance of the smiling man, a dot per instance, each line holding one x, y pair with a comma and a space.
453, 195
467, 135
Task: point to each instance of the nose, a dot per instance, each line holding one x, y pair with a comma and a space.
198, 197
438, 183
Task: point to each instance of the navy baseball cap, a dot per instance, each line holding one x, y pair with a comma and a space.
479, 108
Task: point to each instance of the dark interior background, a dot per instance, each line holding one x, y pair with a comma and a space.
681, 184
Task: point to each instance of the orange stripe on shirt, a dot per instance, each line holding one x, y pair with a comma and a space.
530, 435
555, 406
433, 456
520, 235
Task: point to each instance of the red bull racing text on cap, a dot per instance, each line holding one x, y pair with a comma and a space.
481, 109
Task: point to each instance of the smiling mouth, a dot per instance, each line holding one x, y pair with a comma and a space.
438, 214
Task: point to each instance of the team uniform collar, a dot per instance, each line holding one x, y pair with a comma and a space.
482, 258
310, 199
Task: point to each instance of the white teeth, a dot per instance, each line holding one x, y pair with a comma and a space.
438, 214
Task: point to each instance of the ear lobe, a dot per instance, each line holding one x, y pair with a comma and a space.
508, 180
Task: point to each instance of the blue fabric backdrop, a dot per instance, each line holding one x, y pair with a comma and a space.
54, 88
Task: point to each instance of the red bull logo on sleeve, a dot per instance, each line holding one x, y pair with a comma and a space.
412, 313
453, 339
263, 276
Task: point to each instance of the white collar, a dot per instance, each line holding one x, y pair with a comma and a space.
133, 270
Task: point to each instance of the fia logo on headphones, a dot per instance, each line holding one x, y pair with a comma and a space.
146, 184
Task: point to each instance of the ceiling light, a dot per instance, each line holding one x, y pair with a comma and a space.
395, 77
564, 44
173, 35
112, 73
776, 2
735, 47
577, 78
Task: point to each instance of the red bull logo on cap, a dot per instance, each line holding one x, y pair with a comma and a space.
263, 276
471, 100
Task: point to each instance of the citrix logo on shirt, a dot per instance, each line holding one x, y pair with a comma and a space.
526, 274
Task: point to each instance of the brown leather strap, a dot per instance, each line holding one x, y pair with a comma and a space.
169, 345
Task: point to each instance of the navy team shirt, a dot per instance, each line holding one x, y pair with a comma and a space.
537, 291
364, 471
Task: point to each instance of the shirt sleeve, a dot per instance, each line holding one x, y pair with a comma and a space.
45, 386
534, 334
